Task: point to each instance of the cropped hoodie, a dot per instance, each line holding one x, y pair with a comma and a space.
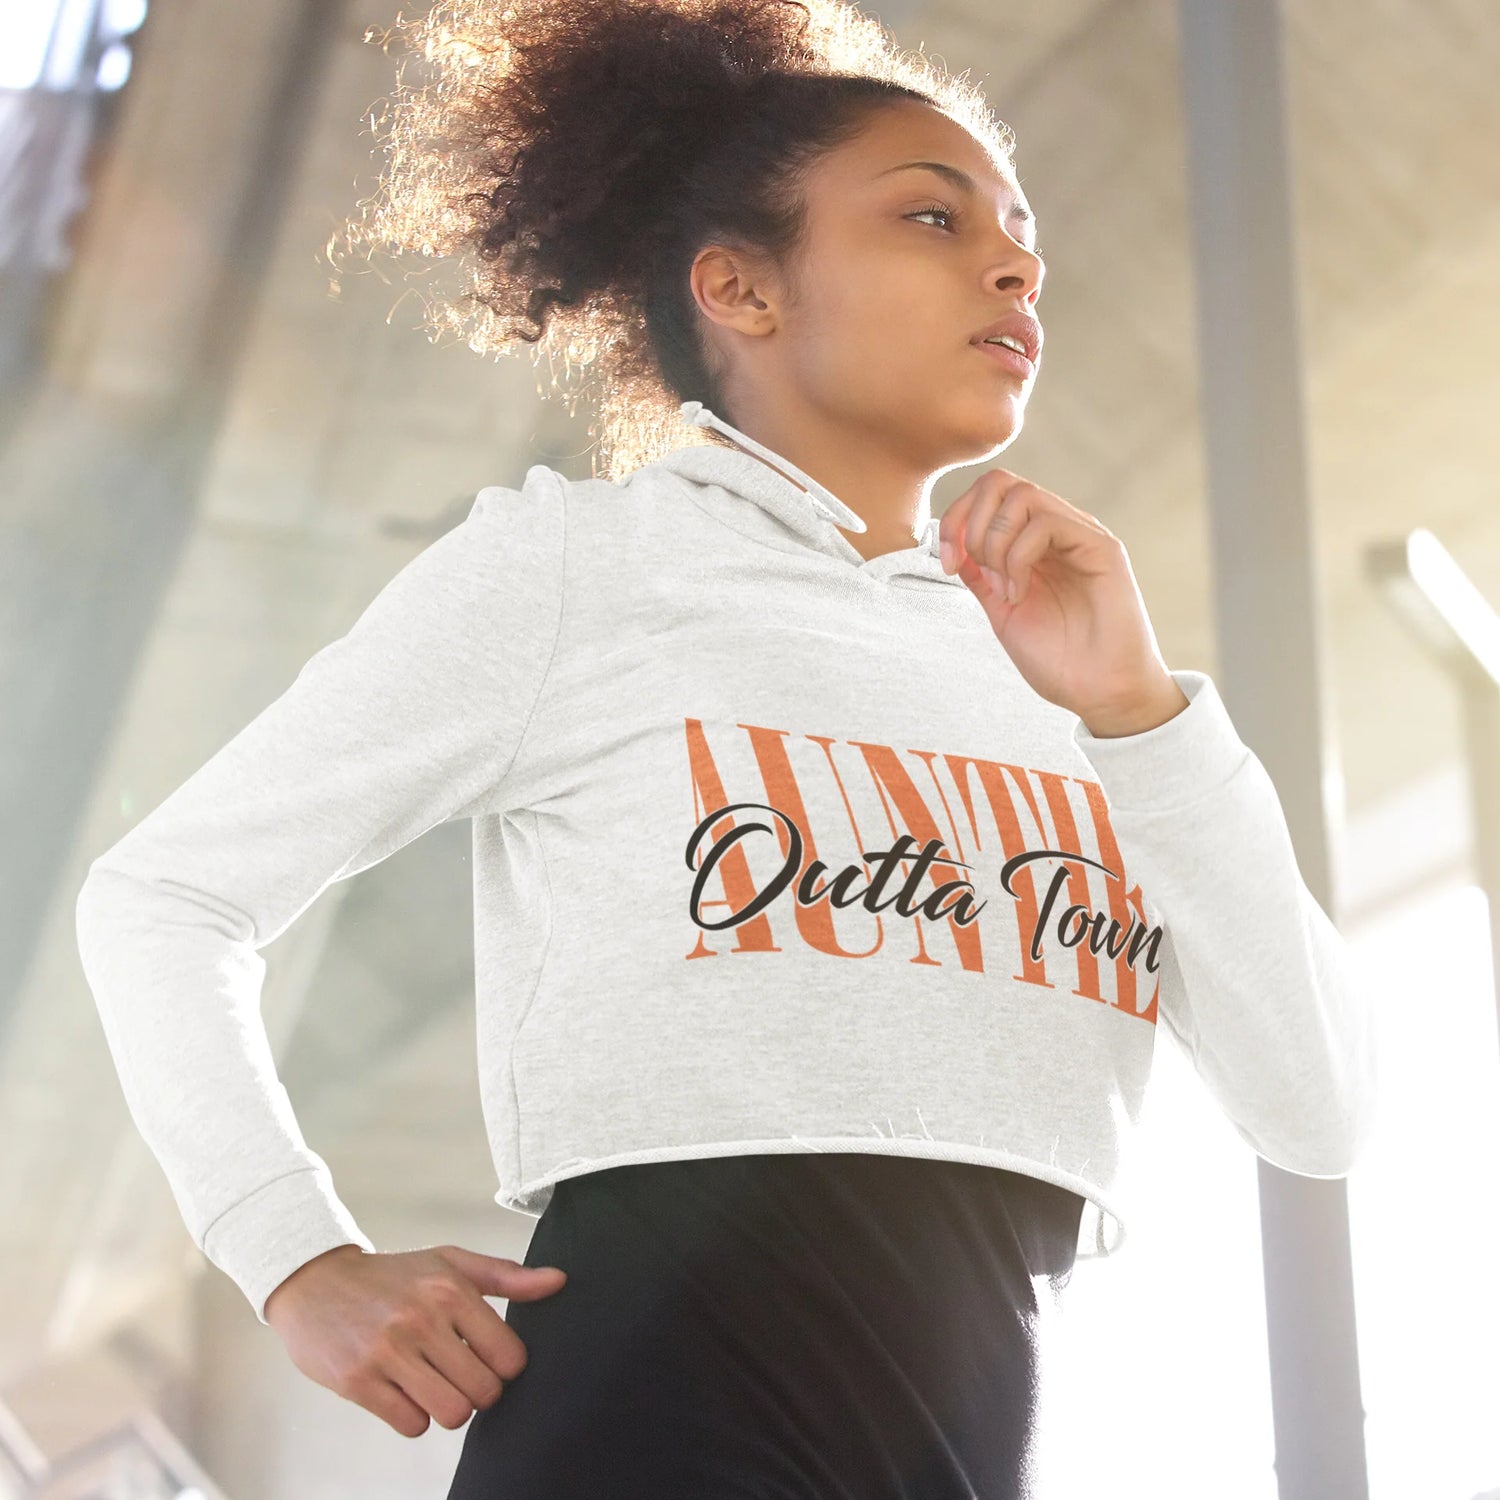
774, 849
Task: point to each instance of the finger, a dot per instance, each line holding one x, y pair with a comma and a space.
1068, 533
959, 521
950, 527
981, 580
500, 1276
384, 1399
1022, 552
532, 1283
970, 572
430, 1388
984, 581
490, 1338
994, 584
462, 1365
955, 519
1000, 510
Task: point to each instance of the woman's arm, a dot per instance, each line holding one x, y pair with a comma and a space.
1256, 983
409, 720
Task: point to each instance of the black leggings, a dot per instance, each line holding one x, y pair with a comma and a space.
804, 1326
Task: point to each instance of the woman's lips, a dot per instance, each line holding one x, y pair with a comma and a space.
1017, 363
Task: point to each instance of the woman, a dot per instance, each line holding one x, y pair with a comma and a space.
823, 851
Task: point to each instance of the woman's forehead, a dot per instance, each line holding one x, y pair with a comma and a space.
905, 133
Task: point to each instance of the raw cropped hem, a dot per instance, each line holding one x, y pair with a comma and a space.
1101, 1233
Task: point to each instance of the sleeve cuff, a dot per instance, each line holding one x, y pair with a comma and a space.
280, 1227
1193, 754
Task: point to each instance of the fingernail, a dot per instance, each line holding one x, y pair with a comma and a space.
991, 577
945, 551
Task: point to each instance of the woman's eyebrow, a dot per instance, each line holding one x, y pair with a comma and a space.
960, 180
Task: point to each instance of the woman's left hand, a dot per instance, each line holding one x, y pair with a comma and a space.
1077, 628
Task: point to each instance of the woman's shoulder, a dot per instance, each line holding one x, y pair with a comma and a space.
547, 501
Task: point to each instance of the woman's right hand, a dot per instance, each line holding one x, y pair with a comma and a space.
407, 1334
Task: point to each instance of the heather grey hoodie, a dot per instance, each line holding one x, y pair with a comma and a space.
774, 850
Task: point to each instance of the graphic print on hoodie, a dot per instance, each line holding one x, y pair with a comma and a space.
912, 875
774, 849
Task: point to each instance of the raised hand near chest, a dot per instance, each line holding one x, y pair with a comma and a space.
1074, 623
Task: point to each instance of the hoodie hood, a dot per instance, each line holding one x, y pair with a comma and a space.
783, 503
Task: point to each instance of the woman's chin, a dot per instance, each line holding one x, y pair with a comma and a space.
995, 430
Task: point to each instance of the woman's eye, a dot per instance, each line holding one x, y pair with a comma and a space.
952, 215
937, 208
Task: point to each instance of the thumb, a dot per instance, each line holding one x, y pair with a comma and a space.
500, 1276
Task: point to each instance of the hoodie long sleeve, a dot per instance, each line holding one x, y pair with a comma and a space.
1256, 981
407, 721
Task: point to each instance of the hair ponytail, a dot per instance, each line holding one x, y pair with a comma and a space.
583, 151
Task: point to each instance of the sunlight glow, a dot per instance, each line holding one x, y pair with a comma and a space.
1156, 1376
1154, 1383
1424, 1211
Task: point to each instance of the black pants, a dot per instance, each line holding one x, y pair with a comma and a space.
808, 1326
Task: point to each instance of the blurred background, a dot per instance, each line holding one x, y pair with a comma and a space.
1273, 244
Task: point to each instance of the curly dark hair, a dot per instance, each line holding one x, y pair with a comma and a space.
584, 151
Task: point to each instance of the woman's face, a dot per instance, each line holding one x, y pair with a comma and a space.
902, 269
